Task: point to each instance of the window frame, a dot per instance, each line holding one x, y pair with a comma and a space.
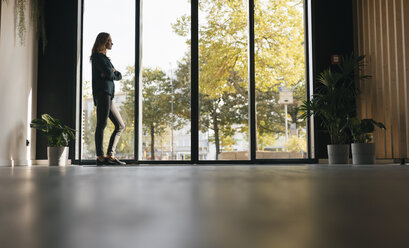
195, 92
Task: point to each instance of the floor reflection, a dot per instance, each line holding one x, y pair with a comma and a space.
204, 206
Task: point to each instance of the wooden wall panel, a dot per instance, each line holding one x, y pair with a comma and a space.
367, 45
405, 26
383, 36
390, 7
399, 76
376, 99
381, 148
358, 46
385, 65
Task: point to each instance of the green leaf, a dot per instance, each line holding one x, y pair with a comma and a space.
57, 134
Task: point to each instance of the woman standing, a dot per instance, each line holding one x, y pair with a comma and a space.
103, 90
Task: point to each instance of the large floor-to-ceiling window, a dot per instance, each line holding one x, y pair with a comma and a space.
118, 19
279, 78
210, 61
223, 79
164, 100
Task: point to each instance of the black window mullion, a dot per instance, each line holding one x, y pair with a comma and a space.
252, 84
138, 73
307, 73
194, 81
80, 119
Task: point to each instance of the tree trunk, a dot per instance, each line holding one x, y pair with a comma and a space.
152, 142
216, 135
293, 114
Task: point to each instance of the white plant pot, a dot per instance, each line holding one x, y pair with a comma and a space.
363, 153
57, 156
338, 154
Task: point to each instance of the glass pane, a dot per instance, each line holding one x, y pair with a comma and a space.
99, 16
223, 80
280, 79
165, 84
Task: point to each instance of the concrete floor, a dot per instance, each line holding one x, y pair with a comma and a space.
205, 206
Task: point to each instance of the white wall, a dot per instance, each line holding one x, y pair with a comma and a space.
18, 80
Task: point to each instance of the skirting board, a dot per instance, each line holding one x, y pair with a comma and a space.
45, 162
8, 163
11, 162
377, 161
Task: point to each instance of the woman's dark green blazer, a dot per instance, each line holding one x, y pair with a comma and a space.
102, 75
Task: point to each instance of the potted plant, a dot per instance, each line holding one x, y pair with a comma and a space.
363, 151
333, 103
58, 136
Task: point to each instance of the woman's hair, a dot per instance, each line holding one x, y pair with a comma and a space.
100, 43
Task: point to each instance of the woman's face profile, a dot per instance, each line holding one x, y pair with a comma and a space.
109, 43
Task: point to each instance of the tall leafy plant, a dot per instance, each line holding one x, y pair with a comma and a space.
21, 20
37, 18
334, 101
1, 3
57, 133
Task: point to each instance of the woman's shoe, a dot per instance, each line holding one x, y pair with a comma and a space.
116, 161
106, 161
